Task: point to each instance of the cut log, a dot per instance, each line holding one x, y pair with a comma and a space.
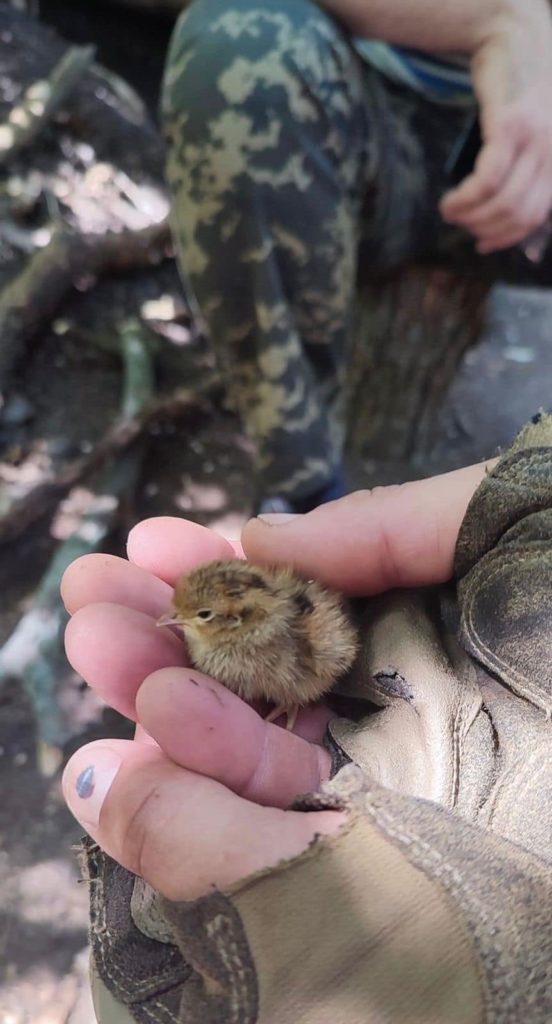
411, 331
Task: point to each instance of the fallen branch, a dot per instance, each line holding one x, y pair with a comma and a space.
30, 300
41, 102
34, 651
36, 503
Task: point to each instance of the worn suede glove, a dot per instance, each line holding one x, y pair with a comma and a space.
432, 902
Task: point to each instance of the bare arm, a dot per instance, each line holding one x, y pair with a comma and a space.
427, 24
509, 193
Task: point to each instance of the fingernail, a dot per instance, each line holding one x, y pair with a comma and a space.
87, 780
277, 518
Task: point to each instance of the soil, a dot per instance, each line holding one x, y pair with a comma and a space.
201, 469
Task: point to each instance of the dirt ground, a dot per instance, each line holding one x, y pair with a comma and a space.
201, 470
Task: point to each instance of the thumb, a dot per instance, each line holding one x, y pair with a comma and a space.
371, 541
183, 833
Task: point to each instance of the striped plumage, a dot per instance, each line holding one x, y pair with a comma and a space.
264, 632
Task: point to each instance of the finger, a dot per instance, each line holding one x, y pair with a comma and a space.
115, 648
94, 579
185, 834
497, 243
168, 547
98, 578
202, 726
373, 540
510, 204
506, 207
491, 170
532, 215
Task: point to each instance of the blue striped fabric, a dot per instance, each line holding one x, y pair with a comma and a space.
442, 79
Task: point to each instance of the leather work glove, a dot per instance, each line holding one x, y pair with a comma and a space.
431, 903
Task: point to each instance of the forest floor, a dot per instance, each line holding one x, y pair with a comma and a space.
201, 470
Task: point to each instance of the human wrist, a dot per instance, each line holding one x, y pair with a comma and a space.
509, 19
510, 65
432, 25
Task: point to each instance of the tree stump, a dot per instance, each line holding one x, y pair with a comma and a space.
411, 331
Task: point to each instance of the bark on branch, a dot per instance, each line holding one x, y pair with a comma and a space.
412, 330
29, 301
41, 102
115, 441
34, 651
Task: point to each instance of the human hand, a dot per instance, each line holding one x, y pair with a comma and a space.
197, 799
508, 196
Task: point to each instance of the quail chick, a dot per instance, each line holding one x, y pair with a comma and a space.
264, 632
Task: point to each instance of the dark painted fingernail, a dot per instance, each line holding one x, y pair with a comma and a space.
87, 780
85, 783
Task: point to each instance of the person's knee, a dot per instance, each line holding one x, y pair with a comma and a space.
266, 58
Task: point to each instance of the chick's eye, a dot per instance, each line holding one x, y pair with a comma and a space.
206, 614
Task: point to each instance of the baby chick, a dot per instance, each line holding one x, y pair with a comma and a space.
264, 632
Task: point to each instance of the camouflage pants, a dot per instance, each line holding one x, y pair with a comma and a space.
289, 161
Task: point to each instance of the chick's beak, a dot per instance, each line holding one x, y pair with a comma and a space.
170, 618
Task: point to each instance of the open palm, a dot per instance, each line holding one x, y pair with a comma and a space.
198, 798
202, 741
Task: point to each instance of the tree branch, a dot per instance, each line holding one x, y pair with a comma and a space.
34, 651
29, 301
41, 102
115, 441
